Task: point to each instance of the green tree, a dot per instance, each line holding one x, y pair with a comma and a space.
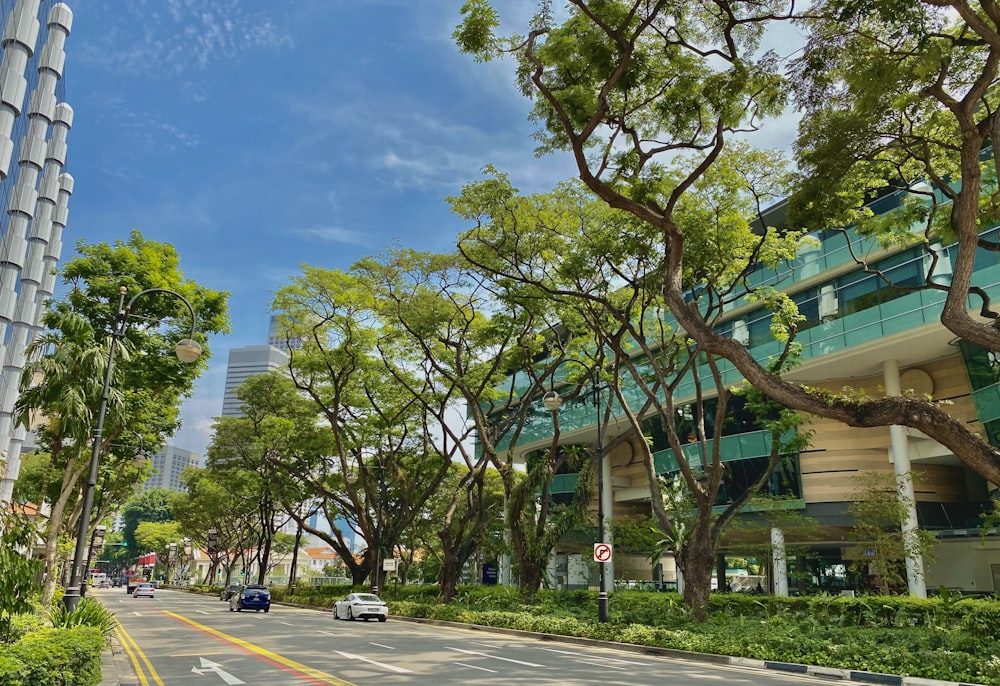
881, 545
648, 97
380, 463
63, 381
248, 453
449, 353
593, 265
17, 570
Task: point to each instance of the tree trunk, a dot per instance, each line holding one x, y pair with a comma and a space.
448, 578
696, 558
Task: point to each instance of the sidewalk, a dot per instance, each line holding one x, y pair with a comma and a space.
116, 667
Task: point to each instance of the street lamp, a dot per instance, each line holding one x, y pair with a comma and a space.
552, 402
187, 350
378, 518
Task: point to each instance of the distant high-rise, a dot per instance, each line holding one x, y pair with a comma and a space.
169, 463
281, 339
244, 363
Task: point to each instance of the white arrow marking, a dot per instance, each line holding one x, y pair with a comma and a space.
137, 614
392, 668
209, 666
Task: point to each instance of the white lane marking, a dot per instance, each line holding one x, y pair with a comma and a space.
286, 623
391, 668
325, 633
603, 658
202, 612
383, 645
599, 664
495, 657
483, 669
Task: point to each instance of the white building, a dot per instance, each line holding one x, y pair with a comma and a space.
169, 463
244, 363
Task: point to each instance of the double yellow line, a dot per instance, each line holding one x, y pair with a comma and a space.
142, 664
137, 657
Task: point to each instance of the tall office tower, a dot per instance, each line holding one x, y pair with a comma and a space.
244, 363
34, 124
169, 463
278, 338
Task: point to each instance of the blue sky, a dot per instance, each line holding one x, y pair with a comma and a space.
256, 136
260, 135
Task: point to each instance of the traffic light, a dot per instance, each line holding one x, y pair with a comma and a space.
213, 541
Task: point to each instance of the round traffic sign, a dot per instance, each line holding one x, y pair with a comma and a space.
602, 552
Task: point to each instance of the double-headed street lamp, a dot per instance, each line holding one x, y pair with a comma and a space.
552, 402
187, 350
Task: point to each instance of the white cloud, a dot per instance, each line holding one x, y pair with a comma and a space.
334, 234
138, 38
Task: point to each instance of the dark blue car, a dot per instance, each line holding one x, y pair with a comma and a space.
251, 597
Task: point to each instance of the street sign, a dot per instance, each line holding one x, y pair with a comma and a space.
389, 564
602, 552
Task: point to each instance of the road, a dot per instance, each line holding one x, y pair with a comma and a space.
182, 638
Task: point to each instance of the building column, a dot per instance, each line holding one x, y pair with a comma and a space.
899, 455
779, 562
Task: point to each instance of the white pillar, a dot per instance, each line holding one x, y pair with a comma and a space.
19, 38
779, 562
899, 454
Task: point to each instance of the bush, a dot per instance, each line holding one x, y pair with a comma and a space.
56, 657
88, 612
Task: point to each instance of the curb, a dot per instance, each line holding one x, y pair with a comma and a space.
116, 666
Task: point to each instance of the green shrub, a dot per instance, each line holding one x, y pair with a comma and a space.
63, 657
24, 624
88, 612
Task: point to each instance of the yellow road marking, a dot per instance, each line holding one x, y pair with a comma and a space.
137, 657
317, 675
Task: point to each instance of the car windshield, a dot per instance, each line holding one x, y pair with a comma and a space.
368, 598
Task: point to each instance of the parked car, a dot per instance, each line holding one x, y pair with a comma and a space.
361, 606
229, 591
251, 597
145, 589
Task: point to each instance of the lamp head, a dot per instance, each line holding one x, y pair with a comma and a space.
552, 401
187, 350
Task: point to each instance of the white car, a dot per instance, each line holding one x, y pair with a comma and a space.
361, 606
144, 590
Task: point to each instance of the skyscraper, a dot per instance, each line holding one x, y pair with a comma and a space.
34, 195
169, 462
244, 363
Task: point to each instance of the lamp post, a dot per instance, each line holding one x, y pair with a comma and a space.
552, 402
378, 517
187, 350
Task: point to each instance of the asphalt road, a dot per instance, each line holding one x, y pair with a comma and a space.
182, 638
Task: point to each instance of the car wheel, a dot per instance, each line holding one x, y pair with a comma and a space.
231, 609
335, 612
350, 615
382, 619
239, 607
266, 610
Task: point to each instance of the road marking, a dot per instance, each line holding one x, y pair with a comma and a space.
382, 645
209, 666
311, 675
602, 658
495, 657
462, 664
599, 664
137, 657
391, 668
326, 633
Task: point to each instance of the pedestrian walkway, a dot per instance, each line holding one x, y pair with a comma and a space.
116, 667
